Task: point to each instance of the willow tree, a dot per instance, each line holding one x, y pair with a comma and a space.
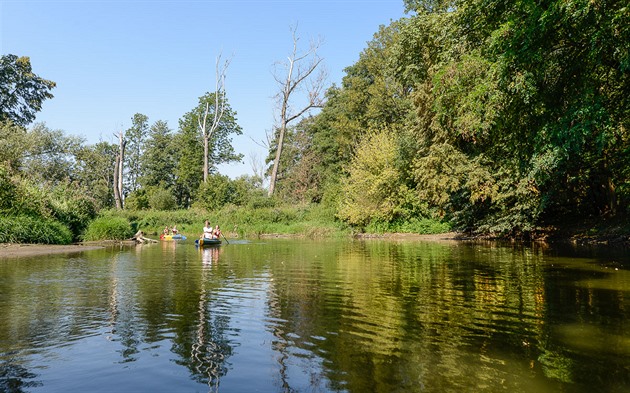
299, 74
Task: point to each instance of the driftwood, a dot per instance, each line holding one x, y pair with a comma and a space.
139, 238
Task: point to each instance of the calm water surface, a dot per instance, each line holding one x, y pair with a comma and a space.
306, 316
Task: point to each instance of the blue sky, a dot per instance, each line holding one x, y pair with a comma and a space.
112, 59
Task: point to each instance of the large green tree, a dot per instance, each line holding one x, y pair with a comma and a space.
21, 91
159, 158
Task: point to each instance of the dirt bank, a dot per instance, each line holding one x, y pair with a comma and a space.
31, 250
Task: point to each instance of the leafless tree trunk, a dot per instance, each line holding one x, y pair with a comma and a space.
300, 68
118, 172
219, 109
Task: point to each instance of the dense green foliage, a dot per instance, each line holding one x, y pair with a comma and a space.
21, 91
27, 229
108, 228
42, 213
499, 117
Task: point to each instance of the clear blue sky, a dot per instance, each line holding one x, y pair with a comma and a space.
112, 59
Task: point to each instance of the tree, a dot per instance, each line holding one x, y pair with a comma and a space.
300, 68
118, 172
217, 113
370, 97
13, 144
94, 170
159, 158
372, 187
49, 157
299, 165
21, 91
136, 137
189, 144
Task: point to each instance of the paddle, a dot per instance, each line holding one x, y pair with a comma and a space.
226, 240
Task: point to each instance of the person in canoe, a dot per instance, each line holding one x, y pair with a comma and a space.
174, 230
165, 231
217, 232
207, 231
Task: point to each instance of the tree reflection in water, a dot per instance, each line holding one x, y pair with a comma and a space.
208, 344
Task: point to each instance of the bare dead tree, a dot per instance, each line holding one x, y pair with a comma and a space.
300, 76
118, 171
219, 109
258, 166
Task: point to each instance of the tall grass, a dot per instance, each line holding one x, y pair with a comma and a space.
302, 220
27, 229
108, 228
308, 220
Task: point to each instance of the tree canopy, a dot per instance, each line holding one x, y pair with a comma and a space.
505, 117
21, 91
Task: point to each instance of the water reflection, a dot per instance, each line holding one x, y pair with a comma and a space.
209, 255
330, 316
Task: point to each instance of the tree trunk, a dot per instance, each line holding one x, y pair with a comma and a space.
118, 172
276, 161
116, 191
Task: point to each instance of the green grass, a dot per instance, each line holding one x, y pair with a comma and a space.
27, 229
302, 220
108, 228
308, 220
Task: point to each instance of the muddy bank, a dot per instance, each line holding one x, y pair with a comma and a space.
14, 250
31, 250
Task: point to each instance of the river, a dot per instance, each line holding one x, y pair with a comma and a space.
318, 316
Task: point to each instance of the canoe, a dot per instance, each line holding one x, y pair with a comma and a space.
207, 242
172, 237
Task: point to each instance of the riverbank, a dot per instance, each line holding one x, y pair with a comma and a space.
33, 250
576, 237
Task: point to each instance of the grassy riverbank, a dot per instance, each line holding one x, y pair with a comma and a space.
309, 220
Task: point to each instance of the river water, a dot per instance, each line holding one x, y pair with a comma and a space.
318, 316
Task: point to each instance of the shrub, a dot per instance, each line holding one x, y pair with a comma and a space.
424, 226
108, 228
137, 200
74, 211
215, 193
161, 199
26, 229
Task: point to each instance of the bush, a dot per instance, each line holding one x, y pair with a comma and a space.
26, 229
161, 199
108, 228
137, 200
215, 193
74, 210
423, 226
